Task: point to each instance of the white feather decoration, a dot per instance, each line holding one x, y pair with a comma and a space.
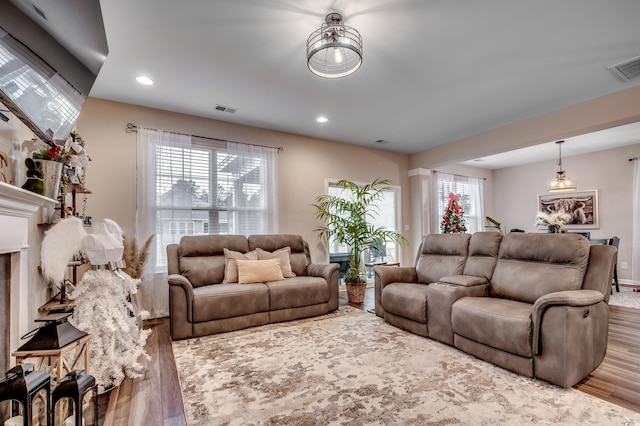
59, 245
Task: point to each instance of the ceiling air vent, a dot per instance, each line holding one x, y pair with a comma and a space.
223, 108
626, 70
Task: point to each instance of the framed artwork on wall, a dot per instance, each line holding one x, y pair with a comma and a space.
581, 205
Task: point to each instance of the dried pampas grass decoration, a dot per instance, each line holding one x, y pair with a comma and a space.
135, 258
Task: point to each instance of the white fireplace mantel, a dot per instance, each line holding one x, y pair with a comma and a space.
16, 207
20, 213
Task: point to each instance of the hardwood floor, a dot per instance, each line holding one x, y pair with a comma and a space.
617, 380
156, 399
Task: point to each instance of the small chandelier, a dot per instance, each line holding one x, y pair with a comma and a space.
561, 183
334, 50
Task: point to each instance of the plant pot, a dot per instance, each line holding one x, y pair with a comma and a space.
52, 171
355, 293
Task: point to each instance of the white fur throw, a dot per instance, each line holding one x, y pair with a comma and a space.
68, 237
59, 245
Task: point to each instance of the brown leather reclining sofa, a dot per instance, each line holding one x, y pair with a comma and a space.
201, 304
535, 304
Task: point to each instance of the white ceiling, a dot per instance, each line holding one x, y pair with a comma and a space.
615, 137
433, 71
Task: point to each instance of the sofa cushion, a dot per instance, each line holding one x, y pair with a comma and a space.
407, 300
231, 267
299, 258
483, 254
229, 300
297, 292
201, 257
258, 271
532, 265
283, 254
500, 323
442, 255
203, 270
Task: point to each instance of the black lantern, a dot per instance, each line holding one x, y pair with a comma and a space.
68, 397
22, 384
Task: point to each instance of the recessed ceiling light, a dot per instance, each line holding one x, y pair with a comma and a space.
322, 119
144, 80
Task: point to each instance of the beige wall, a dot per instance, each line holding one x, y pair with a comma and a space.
303, 166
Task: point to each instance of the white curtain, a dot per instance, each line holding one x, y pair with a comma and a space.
472, 200
441, 183
254, 176
476, 213
161, 206
635, 241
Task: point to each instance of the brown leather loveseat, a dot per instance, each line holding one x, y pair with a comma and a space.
200, 303
535, 304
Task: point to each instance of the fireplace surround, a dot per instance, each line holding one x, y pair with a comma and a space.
20, 213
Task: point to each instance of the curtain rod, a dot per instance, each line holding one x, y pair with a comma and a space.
453, 174
634, 158
134, 128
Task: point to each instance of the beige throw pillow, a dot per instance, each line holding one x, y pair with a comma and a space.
259, 271
231, 267
284, 255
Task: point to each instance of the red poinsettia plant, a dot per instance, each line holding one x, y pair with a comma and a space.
52, 153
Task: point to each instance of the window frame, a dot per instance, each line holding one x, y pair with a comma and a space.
396, 190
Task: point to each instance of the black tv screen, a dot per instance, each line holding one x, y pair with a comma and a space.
41, 81
40, 93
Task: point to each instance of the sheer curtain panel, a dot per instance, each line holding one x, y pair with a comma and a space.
164, 205
249, 174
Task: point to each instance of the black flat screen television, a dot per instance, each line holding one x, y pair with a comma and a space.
41, 81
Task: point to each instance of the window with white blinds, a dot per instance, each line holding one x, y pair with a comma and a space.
471, 199
210, 188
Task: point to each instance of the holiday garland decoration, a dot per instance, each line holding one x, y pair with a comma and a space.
453, 220
104, 310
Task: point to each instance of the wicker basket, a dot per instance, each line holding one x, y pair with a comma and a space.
355, 293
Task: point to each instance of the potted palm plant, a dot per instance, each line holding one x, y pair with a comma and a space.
348, 221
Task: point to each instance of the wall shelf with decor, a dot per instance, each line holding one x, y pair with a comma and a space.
69, 210
74, 190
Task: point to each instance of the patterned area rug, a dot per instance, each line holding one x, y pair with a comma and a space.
625, 297
349, 367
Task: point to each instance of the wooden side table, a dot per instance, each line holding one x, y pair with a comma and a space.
55, 358
371, 265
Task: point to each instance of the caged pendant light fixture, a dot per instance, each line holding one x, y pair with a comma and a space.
561, 183
334, 50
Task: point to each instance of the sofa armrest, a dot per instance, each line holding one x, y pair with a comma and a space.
330, 273
182, 298
395, 274
574, 298
322, 270
384, 275
463, 280
440, 299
